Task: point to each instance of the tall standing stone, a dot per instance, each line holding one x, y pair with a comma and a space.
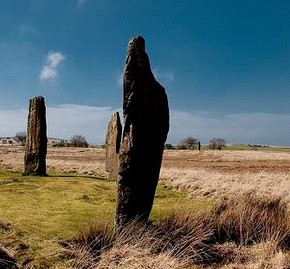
146, 124
36, 141
112, 144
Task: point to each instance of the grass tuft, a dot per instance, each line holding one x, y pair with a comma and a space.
240, 233
249, 219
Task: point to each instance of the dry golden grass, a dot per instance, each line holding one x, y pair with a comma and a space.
237, 233
135, 247
215, 174
77, 161
205, 174
248, 228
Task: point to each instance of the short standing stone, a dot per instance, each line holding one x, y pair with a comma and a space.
36, 140
146, 124
113, 139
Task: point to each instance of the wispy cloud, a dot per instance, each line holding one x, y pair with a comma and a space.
81, 2
263, 128
63, 121
120, 79
163, 75
66, 120
25, 30
13, 121
50, 69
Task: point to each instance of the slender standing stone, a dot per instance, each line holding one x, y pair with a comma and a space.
146, 124
112, 144
36, 141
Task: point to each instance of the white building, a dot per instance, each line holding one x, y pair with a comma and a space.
8, 141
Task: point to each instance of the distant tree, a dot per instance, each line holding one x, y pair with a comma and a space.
188, 143
217, 143
168, 146
21, 138
79, 141
61, 144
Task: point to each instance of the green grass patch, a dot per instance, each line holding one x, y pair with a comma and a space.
251, 147
169, 202
256, 147
44, 211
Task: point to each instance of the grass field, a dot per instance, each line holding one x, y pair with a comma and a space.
39, 214
216, 174
44, 211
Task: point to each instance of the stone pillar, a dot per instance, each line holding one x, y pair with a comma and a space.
112, 144
146, 124
36, 140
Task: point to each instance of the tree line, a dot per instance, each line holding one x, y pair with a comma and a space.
194, 143
75, 141
186, 143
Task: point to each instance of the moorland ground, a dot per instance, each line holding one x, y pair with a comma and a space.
46, 211
203, 174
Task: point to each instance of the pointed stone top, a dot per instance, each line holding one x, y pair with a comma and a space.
137, 43
37, 98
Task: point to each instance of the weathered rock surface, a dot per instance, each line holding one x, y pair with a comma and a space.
146, 124
36, 141
113, 140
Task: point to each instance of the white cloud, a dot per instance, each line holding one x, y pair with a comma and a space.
13, 121
120, 79
64, 121
262, 128
26, 30
163, 75
48, 72
54, 58
50, 69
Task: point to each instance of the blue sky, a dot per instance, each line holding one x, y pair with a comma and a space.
225, 65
